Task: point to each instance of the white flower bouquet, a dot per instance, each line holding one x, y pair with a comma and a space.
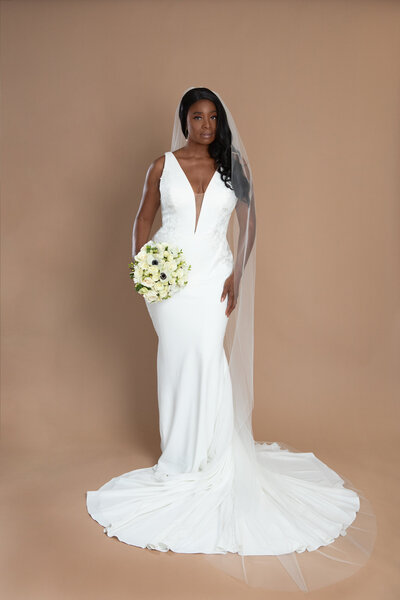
159, 270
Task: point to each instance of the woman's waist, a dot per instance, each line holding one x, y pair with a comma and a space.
203, 250
212, 239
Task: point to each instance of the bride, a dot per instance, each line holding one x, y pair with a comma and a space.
265, 513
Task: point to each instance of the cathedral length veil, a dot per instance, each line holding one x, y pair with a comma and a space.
299, 570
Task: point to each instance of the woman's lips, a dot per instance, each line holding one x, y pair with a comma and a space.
206, 134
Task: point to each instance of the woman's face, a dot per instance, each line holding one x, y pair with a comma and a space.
202, 121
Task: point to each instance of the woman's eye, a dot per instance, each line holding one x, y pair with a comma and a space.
198, 117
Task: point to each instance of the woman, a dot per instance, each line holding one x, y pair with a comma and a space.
214, 490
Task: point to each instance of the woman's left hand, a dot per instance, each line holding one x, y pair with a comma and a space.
229, 289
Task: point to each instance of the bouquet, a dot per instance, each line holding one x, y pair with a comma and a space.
159, 270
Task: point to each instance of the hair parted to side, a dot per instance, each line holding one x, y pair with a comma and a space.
221, 148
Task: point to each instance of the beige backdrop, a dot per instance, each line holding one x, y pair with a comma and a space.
88, 95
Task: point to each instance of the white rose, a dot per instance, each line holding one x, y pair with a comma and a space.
172, 265
151, 296
141, 255
153, 269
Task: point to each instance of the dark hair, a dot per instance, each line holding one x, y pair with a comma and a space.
220, 148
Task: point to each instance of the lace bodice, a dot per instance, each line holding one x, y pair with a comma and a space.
187, 215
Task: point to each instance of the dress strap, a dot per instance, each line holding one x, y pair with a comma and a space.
166, 161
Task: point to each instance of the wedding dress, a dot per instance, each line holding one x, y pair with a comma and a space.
187, 502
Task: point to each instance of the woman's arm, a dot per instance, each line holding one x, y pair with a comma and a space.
247, 232
148, 206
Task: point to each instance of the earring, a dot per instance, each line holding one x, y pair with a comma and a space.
186, 133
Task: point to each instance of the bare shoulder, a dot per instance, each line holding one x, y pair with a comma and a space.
155, 169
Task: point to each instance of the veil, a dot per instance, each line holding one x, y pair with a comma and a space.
296, 570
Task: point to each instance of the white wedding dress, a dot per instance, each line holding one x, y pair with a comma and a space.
186, 501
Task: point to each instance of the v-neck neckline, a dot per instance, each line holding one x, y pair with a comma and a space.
187, 179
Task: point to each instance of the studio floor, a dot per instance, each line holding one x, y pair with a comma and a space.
53, 549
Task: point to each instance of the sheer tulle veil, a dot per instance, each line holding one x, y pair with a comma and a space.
297, 570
